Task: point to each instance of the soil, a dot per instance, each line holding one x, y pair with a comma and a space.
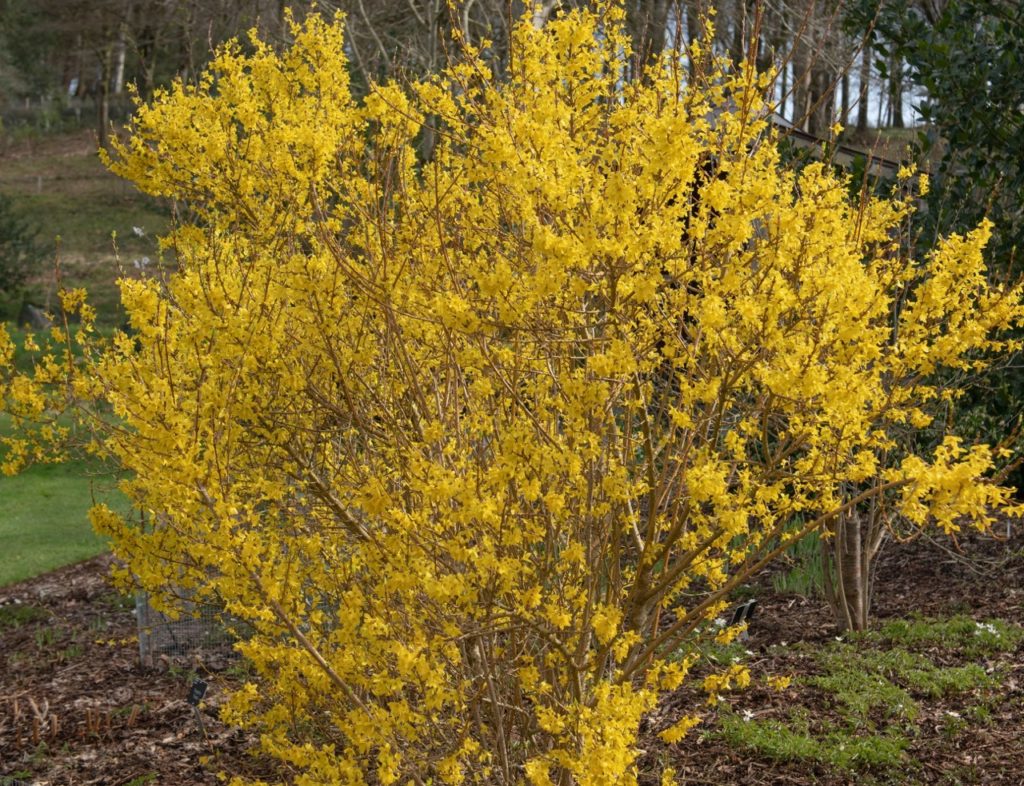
76, 707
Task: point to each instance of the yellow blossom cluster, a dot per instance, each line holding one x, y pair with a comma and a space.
476, 441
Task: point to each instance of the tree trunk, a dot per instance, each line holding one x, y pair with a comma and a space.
852, 581
801, 84
541, 12
848, 553
865, 85
695, 30
429, 139
738, 47
820, 99
120, 51
784, 98
103, 104
844, 112
896, 92
647, 22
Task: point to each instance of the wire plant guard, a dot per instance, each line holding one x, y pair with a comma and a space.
201, 630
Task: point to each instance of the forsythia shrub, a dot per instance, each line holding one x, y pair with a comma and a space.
479, 445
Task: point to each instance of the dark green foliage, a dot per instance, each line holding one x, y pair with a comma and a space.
970, 61
20, 252
27, 41
968, 55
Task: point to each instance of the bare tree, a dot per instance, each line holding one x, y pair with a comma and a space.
647, 22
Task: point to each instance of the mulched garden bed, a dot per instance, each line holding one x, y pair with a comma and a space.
77, 708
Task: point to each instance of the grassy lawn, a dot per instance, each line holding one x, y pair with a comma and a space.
43, 521
43, 511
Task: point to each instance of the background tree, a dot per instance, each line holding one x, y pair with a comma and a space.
86, 51
94, 46
968, 55
20, 252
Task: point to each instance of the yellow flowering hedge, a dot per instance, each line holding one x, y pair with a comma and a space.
478, 445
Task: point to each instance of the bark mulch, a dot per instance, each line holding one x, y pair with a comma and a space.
77, 708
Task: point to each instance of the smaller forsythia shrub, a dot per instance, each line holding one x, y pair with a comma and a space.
479, 445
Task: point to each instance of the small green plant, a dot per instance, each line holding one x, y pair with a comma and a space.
839, 748
724, 654
142, 780
45, 637
804, 576
972, 638
39, 754
861, 692
127, 710
240, 670
885, 680
849, 750
182, 673
119, 601
771, 738
20, 614
70, 652
980, 713
953, 725
743, 592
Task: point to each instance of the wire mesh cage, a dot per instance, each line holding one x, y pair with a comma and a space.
202, 629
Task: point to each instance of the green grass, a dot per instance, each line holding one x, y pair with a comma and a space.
43, 521
43, 513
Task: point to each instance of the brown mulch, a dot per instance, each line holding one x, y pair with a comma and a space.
77, 708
